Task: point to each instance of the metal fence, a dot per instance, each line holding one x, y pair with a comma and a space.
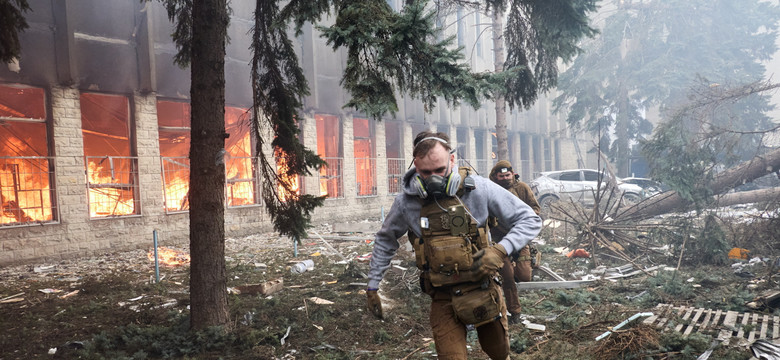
241, 181
365, 176
28, 194
176, 183
396, 168
112, 184
332, 179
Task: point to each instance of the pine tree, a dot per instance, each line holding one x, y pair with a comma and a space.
651, 52
11, 23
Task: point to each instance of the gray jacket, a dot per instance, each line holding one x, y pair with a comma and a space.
487, 198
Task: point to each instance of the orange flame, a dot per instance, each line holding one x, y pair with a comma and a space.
293, 181
169, 257
108, 200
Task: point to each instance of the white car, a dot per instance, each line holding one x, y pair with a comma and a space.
578, 185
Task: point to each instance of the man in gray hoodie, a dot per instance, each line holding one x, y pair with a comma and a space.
433, 175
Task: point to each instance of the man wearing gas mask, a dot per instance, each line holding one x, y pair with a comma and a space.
444, 210
522, 271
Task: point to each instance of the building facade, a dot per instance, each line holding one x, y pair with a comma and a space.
94, 131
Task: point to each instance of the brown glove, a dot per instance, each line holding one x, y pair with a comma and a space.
488, 261
374, 303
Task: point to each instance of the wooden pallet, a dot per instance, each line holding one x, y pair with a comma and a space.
725, 325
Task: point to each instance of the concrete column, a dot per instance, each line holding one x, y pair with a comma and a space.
69, 162
70, 168
380, 175
348, 176
514, 151
148, 152
311, 183
408, 140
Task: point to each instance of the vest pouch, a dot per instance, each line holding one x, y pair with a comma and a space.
442, 279
477, 303
448, 254
419, 251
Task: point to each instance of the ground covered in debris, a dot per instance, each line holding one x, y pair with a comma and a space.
112, 307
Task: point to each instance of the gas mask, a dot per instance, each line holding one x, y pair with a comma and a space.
505, 183
436, 185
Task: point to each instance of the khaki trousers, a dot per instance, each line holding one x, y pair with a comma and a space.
449, 333
520, 272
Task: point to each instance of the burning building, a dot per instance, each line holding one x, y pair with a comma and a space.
95, 132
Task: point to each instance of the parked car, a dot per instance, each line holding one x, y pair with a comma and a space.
649, 187
578, 185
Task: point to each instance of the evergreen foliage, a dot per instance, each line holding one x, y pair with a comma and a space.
718, 128
385, 48
278, 87
538, 34
11, 23
651, 52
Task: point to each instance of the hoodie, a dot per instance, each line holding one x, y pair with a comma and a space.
487, 199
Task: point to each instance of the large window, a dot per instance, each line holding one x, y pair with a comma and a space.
329, 149
27, 194
112, 170
240, 174
365, 156
173, 119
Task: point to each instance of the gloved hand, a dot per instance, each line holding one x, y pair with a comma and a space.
374, 303
487, 261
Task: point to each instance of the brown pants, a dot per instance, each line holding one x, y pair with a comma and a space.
449, 333
521, 272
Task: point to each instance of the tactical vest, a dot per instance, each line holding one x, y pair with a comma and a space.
450, 237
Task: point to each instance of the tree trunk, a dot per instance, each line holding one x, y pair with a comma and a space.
670, 201
498, 56
622, 152
208, 291
746, 197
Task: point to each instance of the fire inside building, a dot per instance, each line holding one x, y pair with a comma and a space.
95, 131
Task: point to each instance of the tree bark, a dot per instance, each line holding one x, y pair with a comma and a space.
670, 201
498, 56
746, 197
208, 291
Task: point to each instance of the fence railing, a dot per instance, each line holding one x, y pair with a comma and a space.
365, 176
332, 179
396, 168
176, 183
241, 177
28, 194
112, 184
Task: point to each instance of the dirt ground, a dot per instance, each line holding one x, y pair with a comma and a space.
111, 307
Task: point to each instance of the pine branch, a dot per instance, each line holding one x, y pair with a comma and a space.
11, 23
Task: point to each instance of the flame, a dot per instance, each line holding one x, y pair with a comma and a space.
177, 183
169, 257
24, 191
292, 181
108, 199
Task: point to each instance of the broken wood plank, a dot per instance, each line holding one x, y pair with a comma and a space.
775, 327
728, 326
745, 319
764, 327
706, 320
694, 321
684, 319
754, 323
